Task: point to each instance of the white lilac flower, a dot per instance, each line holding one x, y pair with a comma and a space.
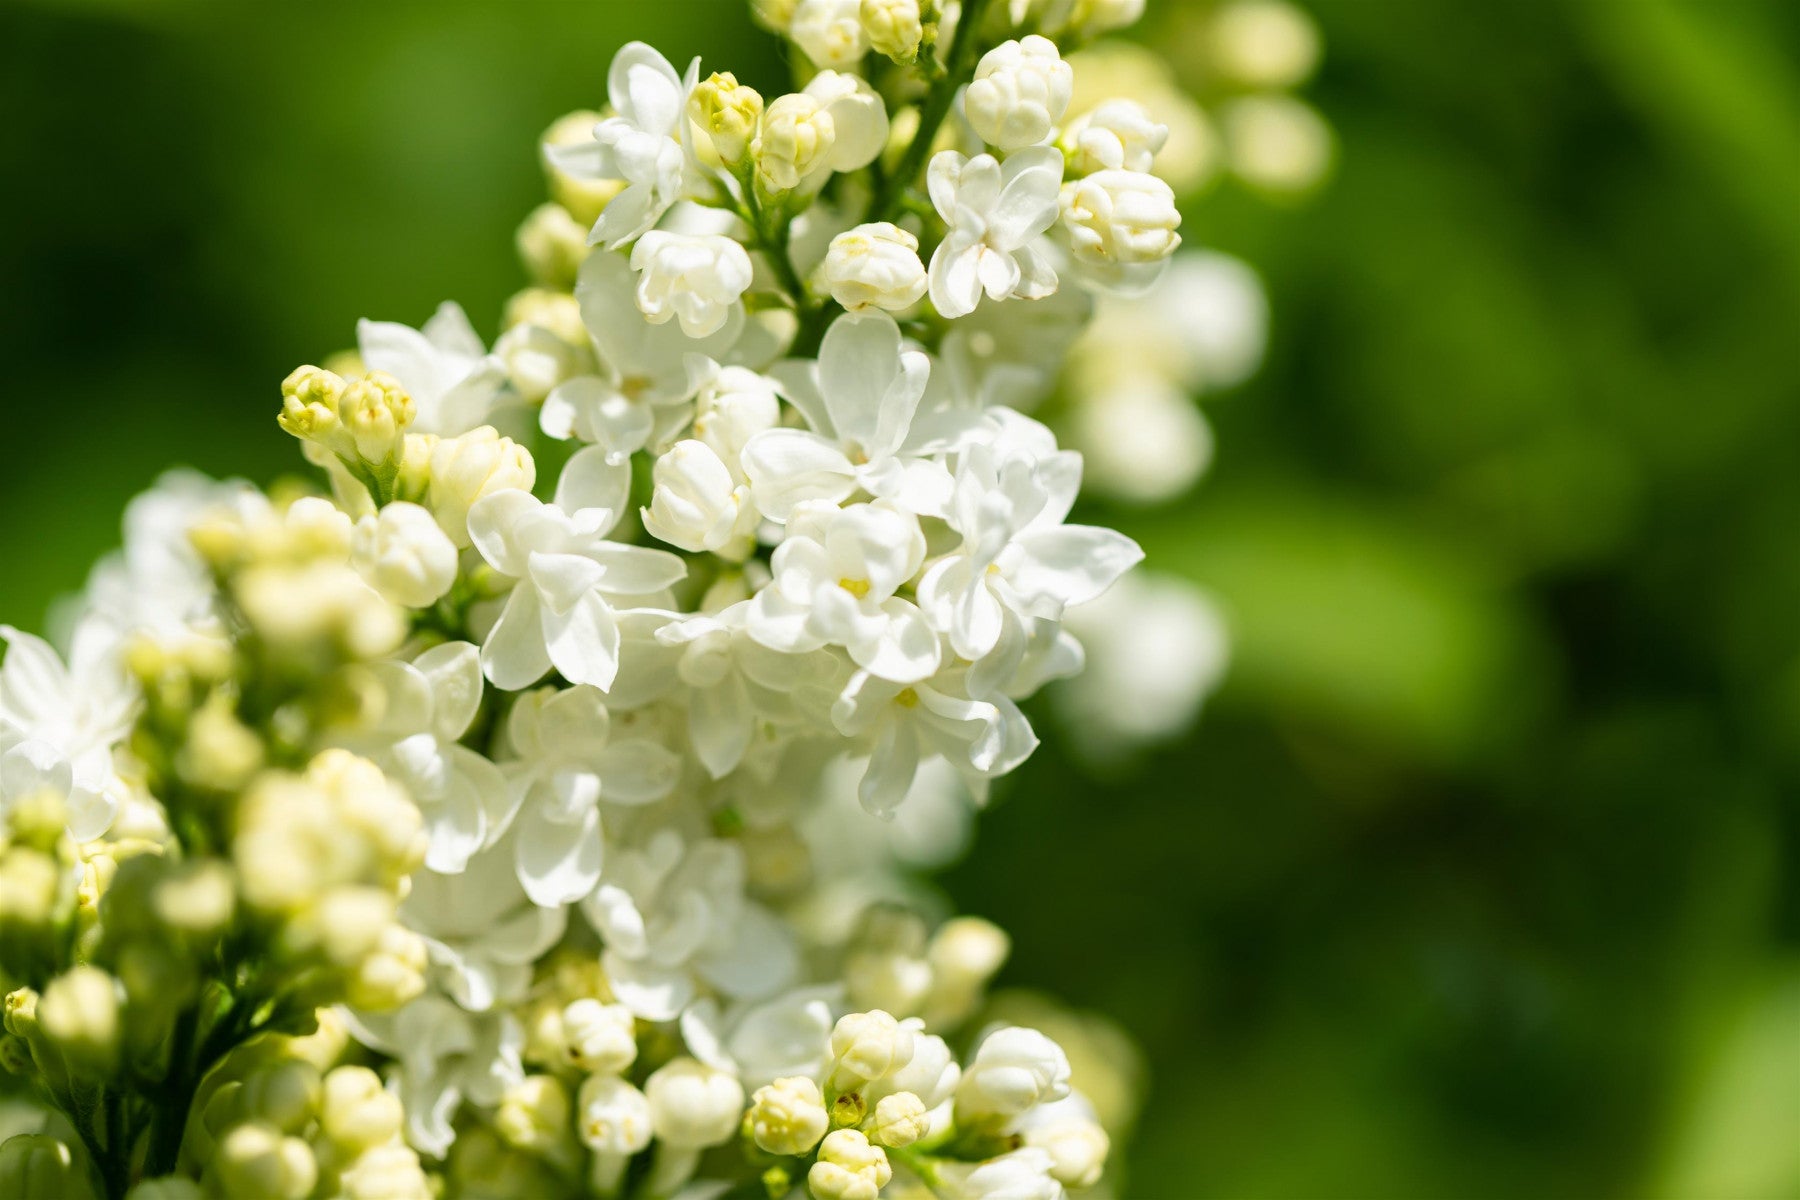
835, 577
1020, 91
560, 611
697, 279
641, 144
673, 915
1018, 560
875, 266
697, 505
60, 723
1120, 228
482, 932
648, 372
454, 382
860, 401
995, 215
904, 724
446, 1055
569, 765
427, 706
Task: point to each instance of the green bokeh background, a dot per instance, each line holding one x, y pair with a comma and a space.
1477, 879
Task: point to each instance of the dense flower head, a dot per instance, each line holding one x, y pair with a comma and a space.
558, 756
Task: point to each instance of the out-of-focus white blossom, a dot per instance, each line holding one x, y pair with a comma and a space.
830, 32
403, 554
452, 379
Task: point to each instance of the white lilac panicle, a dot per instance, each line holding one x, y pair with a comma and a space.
548, 756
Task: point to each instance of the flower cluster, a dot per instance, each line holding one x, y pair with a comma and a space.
525, 816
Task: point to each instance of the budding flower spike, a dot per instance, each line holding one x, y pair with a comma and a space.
521, 812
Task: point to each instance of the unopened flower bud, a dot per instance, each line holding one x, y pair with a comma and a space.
534, 1115
1088, 19
1115, 135
255, 1162
376, 412
1014, 1069
79, 1013
849, 1168
788, 1116
796, 136
391, 974
28, 887
599, 1037
1020, 91
403, 554
1120, 226
729, 112
893, 27
612, 1117
389, 1172
467, 468
34, 1165
584, 198
829, 32
284, 1094
899, 1120
875, 266
693, 1105
866, 1046
309, 405
696, 504
552, 245
356, 1112
1077, 1148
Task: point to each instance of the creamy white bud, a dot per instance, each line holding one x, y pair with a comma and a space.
1020, 91
796, 136
1120, 226
859, 118
696, 279
552, 244
893, 27
830, 32
696, 504
788, 1116
875, 266
79, 1013
1116, 135
612, 1117
402, 554
1014, 1069
390, 1172
1088, 19
899, 1120
867, 1046
693, 1105
731, 408
849, 1168
599, 1037
534, 1114
470, 467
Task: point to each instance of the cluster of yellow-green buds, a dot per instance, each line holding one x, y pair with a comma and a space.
361, 423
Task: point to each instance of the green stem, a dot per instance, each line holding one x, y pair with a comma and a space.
888, 201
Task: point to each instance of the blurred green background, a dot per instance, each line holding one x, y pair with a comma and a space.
1477, 879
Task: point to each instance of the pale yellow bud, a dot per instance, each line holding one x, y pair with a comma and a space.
773, 15
324, 1045
283, 1094
1077, 1148
34, 1165
552, 245
464, 469
866, 1046
309, 403
599, 1037
894, 28
849, 1168
584, 198
796, 138
788, 1116
255, 1162
28, 886
196, 899
728, 111
391, 974
558, 312
534, 1115
900, 1119
376, 411
391, 1172
356, 1112
221, 752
